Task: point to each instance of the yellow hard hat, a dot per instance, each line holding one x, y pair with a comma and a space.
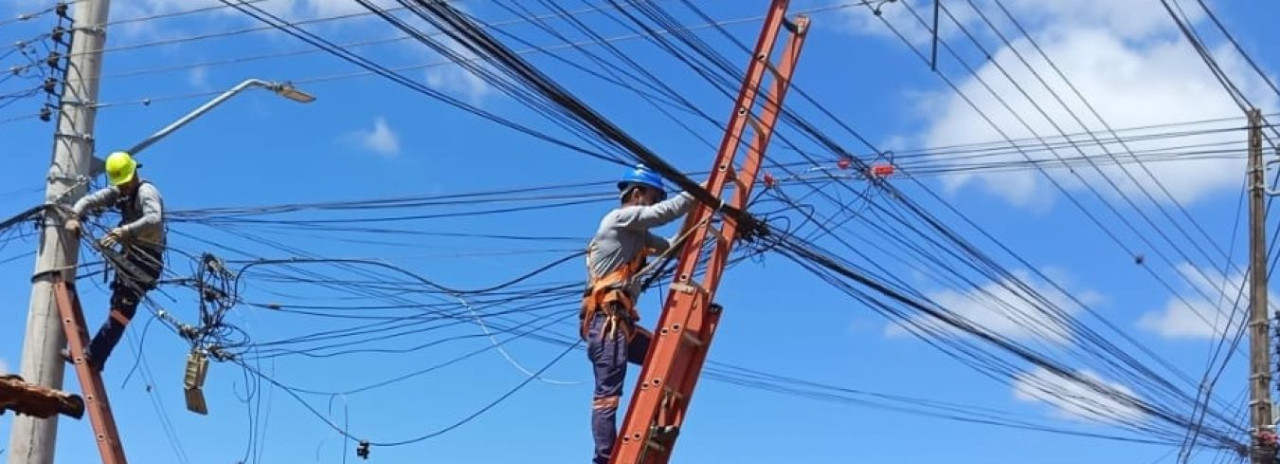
120, 168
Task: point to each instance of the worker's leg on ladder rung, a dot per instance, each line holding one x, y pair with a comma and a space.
126, 294
608, 352
639, 346
124, 304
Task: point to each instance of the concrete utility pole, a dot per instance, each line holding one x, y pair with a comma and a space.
1259, 334
32, 440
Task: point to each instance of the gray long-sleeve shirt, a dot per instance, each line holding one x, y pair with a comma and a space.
141, 216
624, 232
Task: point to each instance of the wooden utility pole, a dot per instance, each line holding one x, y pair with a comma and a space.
32, 439
690, 316
1264, 449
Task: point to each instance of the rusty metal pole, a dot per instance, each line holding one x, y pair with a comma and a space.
1264, 449
689, 317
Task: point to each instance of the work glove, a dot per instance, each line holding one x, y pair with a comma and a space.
72, 225
112, 238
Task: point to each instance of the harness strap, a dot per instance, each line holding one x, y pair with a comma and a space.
610, 291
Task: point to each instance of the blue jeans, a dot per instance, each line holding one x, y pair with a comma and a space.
609, 352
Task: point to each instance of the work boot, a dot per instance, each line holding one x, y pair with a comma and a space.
665, 434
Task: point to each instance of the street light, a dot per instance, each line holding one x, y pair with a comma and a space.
287, 90
284, 89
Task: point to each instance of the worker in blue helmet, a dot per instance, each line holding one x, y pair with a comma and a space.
642, 177
615, 258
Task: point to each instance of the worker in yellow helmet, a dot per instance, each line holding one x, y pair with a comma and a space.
141, 236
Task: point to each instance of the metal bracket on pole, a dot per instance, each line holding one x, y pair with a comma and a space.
1272, 191
74, 136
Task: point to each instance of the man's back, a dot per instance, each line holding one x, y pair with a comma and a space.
141, 214
144, 213
624, 233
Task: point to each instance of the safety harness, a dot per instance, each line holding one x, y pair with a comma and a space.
613, 290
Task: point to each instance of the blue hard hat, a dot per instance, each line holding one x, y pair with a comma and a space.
643, 176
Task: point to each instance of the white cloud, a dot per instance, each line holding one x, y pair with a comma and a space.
381, 139
455, 78
1128, 60
333, 7
1197, 318
199, 77
290, 10
1005, 309
1076, 401
1127, 85
870, 20
1127, 18
450, 78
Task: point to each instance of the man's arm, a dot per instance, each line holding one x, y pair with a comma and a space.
152, 211
657, 244
101, 198
647, 217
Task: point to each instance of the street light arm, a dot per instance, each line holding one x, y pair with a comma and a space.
285, 89
162, 133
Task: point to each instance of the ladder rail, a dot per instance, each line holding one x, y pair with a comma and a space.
94, 392
689, 317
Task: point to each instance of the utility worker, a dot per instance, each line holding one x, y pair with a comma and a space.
614, 258
141, 234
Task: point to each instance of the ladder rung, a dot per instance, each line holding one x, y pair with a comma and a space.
688, 288
717, 232
753, 121
691, 339
674, 395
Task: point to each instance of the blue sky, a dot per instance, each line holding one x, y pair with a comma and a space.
366, 137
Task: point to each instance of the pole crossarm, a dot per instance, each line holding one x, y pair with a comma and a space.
33, 400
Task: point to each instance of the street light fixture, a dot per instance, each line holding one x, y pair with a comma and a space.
287, 90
